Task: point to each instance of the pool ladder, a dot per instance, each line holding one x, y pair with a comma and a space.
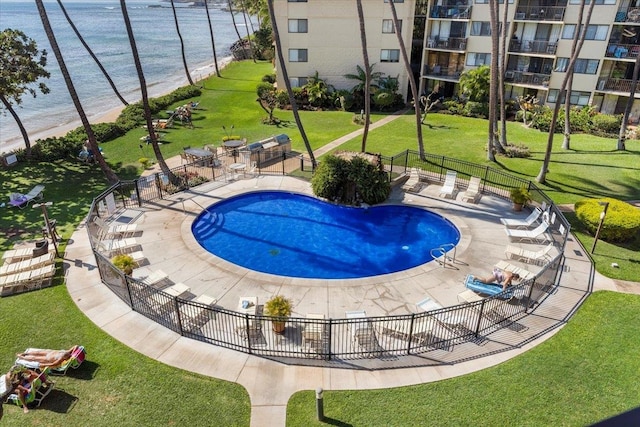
442, 254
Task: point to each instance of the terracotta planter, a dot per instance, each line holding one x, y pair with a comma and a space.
277, 327
517, 207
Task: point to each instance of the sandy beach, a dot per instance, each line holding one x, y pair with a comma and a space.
202, 72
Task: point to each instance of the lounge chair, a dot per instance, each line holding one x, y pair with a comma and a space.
472, 194
313, 333
29, 279
522, 272
363, 334
16, 255
35, 193
413, 184
449, 188
78, 355
177, 289
490, 289
193, 317
154, 278
116, 229
39, 388
523, 223
529, 235
514, 252
27, 264
116, 246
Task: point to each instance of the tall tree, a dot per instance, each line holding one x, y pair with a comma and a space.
93, 144
627, 109
493, 83
184, 57
562, 92
505, 34
93, 56
246, 26
213, 43
21, 65
287, 83
233, 19
367, 78
143, 89
566, 143
412, 80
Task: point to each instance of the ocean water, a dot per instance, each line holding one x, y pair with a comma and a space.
102, 26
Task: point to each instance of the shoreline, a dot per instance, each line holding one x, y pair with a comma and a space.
200, 73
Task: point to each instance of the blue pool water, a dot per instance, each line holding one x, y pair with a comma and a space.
299, 236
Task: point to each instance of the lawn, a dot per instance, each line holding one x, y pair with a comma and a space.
585, 373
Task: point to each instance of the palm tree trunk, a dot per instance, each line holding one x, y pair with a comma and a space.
143, 90
367, 70
109, 174
412, 80
493, 85
246, 26
184, 58
93, 56
542, 175
23, 131
287, 83
627, 109
233, 19
502, 146
566, 143
213, 43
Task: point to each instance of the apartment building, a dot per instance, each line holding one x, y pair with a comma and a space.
447, 37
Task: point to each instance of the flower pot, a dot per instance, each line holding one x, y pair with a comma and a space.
278, 327
517, 207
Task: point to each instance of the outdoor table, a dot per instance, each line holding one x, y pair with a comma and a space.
199, 153
232, 145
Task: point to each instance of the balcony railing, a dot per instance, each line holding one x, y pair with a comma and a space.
451, 12
439, 72
609, 84
450, 43
617, 50
533, 46
628, 14
540, 13
526, 78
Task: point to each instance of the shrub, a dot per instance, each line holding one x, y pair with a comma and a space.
383, 100
455, 107
144, 161
517, 150
269, 78
343, 99
542, 120
476, 109
606, 124
282, 98
622, 222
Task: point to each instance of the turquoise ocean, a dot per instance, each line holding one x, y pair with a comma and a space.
102, 26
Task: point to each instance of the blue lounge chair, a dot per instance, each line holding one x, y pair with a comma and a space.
491, 289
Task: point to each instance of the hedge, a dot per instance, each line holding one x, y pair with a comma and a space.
621, 224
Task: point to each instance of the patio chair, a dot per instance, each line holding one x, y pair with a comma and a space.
472, 194
35, 193
449, 188
78, 355
313, 334
413, 184
27, 280
177, 289
27, 264
489, 289
14, 255
522, 223
39, 388
522, 272
364, 334
154, 278
529, 256
529, 235
194, 317
117, 246
116, 229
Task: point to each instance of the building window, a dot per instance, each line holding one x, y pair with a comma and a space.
297, 1
298, 81
390, 55
487, 1
576, 97
582, 66
298, 25
480, 28
297, 55
395, 1
477, 59
594, 32
387, 26
597, 2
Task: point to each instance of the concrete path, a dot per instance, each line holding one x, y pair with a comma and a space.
270, 384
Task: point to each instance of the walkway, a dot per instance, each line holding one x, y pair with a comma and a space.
270, 384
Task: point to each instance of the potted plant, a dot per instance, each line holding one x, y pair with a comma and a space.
520, 196
279, 308
125, 263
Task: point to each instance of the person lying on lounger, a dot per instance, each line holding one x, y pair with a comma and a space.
500, 277
18, 380
47, 357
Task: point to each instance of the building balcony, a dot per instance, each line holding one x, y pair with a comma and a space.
527, 79
533, 46
610, 84
628, 14
619, 50
450, 43
450, 12
540, 13
438, 72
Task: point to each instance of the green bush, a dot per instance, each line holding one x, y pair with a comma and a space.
476, 109
542, 120
383, 100
343, 99
517, 150
269, 78
621, 224
606, 124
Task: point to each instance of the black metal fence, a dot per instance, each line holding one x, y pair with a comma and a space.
327, 341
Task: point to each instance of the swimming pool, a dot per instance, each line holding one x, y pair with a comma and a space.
295, 235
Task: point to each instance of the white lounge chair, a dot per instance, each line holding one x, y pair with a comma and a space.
27, 264
155, 277
177, 289
22, 200
514, 252
523, 273
472, 194
449, 188
413, 184
117, 245
529, 235
522, 223
27, 279
116, 229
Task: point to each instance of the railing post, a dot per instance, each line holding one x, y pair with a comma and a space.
247, 324
330, 339
138, 193
176, 304
413, 316
477, 329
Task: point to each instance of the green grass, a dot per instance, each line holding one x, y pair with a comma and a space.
585, 373
115, 385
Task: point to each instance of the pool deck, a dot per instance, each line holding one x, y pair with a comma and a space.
169, 246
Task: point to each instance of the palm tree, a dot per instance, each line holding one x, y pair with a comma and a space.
246, 26
93, 56
367, 76
493, 85
184, 58
503, 69
542, 175
412, 80
213, 43
108, 172
287, 83
233, 19
143, 90
627, 110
